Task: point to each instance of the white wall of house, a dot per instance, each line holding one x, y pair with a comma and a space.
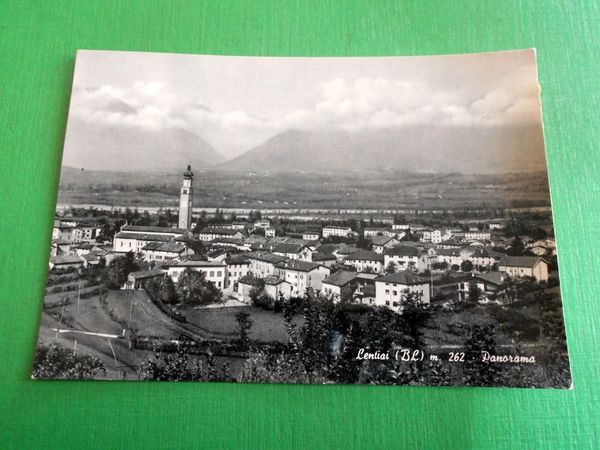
392, 295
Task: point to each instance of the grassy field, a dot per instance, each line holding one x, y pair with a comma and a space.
370, 190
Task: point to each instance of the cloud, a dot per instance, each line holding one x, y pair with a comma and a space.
364, 103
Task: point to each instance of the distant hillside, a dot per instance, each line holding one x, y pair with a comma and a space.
93, 146
417, 149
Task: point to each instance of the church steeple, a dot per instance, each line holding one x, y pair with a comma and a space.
185, 199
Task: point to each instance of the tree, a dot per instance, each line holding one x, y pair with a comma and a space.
391, 267
466, 266
474, 293
517, 248
173, 367
166, 291
119, 269
56, 361
196, 290
244, 323
476, 371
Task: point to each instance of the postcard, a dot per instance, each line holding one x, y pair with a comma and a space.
382, 221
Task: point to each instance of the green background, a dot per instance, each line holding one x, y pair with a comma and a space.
37, 49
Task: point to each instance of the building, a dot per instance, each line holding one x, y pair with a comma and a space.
325, 259
208, 234
365, 261
524, 266
339, 285
391, 290
380, 243
335, 230
309, 235
487, 284
484, 257
137, 280
215, 272
477, 235
132, 238
273, 286
238, 266
400, 226
292, 251
451, 256
262, 263
165, 251
263, 223
270, 232
65, 262
302, 275
406, 257
185, 199
436, 236
60, 247
370, 232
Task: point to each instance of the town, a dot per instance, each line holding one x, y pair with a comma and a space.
373, 265
290, 298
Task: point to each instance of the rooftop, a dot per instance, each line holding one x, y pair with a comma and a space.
403, 250
403, 277
144, 236
141, 274
340, 278
520, 261
65, 259
301, 266
365, 255
147, 229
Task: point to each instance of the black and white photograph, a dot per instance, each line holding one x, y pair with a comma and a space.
312, 220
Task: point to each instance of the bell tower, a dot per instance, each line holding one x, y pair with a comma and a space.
185, 199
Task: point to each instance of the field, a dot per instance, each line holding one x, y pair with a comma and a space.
360, 190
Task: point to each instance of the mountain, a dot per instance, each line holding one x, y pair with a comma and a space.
133, 149
416, 149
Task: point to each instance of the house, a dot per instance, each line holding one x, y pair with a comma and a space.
263, 223
487, 284
524, 266
136, 280
485, 257
335, 230
126, 241
370, 232
164, 251
451, 243
451, 256
496, 225
339, 285
365, 261
270, 232
292, 251
380, 243
302, 275
478, 235
274, 287
215, 272
365, 289
65, 262
263, 263
406, 257
310, 235
400, 226
218, 254
238, 266
238, 225
325, 259
132, 238
391, 290
60, 247
212, 233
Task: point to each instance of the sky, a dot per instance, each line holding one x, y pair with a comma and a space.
237, 103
